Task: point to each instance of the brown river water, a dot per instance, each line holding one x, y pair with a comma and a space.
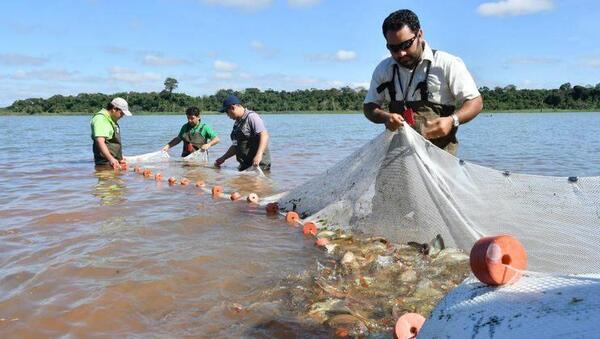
94, 253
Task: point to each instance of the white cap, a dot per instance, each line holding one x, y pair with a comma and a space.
121, 104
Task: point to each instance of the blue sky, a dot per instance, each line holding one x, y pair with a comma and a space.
70, 47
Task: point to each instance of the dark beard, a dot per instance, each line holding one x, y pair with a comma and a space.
412, 63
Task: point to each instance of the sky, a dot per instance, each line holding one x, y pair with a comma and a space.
105, 46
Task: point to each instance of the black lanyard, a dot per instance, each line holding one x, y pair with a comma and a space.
412, 75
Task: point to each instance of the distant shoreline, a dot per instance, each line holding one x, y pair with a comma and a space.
3, 113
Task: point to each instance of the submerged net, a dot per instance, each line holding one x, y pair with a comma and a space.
402, 187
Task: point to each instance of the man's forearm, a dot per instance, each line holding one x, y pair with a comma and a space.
469, 110
374, 113
174, 142
213, 142
230, 152
262, 143
104, 149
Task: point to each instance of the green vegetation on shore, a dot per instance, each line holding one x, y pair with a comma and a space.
506, 99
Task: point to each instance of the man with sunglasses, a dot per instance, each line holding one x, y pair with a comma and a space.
106, 133
420, 85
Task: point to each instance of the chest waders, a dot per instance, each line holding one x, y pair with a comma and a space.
192, 141
423, 109
113, 144
247, 145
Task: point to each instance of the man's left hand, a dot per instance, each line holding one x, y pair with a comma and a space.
437, 128
257, 159
204, 147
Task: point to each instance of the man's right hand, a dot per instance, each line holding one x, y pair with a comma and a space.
394, 121
166, 148
115, 163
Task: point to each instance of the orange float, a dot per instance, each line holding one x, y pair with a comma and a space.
252, 198
172, 181
498, 260
309, 228
200, 183
158, 177
216, 191
272, 208
235, 196
408, 326
292, 218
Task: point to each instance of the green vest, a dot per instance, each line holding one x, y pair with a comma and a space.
192, 141
113, 144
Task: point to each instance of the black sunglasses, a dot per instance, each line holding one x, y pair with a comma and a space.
401, 46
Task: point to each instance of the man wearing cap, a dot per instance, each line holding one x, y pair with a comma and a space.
106, 133
249, 137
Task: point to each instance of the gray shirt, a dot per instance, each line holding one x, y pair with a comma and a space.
255, 123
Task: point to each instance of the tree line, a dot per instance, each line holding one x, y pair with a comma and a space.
507, 98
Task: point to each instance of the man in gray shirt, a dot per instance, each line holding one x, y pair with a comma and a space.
249, 137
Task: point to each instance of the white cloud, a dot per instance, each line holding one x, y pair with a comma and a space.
224, 66
514, 7
243, 4
157, 60
303, 3
277, 81
263, 50
223, 75
360, 84
46, 75
132, 76
341, 56
15, 59
257, 45
592, 62
335, 83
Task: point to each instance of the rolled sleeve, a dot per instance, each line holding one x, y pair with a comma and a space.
256, 124
460, 81
101, 127
182, 131
209, 133
380, 75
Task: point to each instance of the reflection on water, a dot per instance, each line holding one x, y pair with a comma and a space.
110, 188
137, 257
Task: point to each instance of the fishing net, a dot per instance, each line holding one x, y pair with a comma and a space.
538, 306
402, 187
148, 157
198, 157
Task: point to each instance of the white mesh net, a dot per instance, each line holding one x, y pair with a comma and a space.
538, 306
199, 157
402, 187
148, 157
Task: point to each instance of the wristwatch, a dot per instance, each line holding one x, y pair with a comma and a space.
455, 121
